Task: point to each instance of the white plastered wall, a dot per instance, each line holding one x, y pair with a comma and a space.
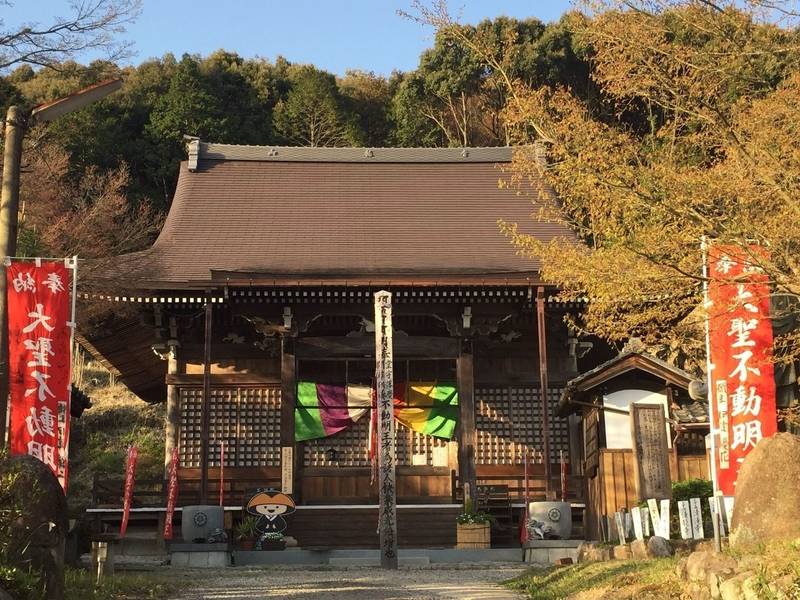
618, 428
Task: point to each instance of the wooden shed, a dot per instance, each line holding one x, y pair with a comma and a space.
597, 404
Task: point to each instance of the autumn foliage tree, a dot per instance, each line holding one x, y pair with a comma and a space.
693, 135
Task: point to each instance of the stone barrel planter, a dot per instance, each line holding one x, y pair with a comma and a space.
471, 536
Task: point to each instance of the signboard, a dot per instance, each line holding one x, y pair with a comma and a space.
287, 469
697, 518
685, 517
39, 351
742, 390
650, 451
636, 515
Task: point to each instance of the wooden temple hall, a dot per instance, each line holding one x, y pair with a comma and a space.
259, 294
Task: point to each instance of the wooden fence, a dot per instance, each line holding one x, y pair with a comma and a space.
614, 486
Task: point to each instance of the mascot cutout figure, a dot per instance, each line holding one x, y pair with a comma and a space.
270, 506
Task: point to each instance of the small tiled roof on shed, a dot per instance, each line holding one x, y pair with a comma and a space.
264, 215
628, 360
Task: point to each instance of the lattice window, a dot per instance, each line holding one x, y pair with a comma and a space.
246, 419
348, 448
414, 448
508, 423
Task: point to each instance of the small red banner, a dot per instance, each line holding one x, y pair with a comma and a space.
39, 336
172, 494
130, 481
740, 337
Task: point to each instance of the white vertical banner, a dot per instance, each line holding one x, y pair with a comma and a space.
697, 518
665, 528
636, 515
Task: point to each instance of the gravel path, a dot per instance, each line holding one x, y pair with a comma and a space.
450, 582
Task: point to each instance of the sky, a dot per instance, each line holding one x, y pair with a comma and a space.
334, 35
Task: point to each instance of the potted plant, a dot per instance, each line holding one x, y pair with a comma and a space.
246, 533
473, 528
271, 541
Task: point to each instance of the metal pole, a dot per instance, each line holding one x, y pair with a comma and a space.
206, 409
384, 382
16, 119
544, 388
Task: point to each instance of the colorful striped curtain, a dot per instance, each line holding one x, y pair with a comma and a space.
323, 410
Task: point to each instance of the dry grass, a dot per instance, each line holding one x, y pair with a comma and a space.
612, 580
101, 436
656, 579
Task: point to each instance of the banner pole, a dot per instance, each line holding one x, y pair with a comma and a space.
709, 367
712, 427
73, 326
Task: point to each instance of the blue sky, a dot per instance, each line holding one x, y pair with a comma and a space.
333, 34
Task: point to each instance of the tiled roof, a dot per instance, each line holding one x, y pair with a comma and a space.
313, 215
691, 413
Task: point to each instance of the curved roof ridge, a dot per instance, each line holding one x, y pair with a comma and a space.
209, 151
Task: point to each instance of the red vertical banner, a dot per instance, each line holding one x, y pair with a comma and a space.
130, 480
172, 494
39, 352
742, 384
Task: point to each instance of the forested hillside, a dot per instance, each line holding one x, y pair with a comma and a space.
137, 133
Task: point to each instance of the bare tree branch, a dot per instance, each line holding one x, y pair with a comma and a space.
91, 25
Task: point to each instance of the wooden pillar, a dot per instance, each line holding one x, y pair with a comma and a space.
173, 413
384, 397
206, 408
290, 461
466, 429
542, 334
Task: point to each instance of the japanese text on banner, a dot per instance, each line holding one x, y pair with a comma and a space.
740, 339
39, 336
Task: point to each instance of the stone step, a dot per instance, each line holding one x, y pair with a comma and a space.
367, 561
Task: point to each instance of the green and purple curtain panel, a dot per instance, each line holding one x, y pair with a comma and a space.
323, 410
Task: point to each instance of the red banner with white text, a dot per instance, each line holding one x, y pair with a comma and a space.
172, 494
742, 384
39, 338
130, 481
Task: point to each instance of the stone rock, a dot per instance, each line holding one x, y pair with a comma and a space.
37, 537
621, 552
782, 587
291, 542
697, 591
731, 589
586, 551
659, 547
766, 492
593, 552
639, 549
564, 561
680, 569
700, 565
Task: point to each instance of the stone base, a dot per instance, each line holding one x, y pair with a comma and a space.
549, 552
200, 556
420, 557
